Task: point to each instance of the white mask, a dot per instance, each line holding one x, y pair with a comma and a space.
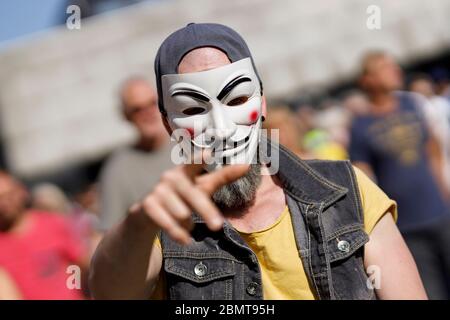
219, 108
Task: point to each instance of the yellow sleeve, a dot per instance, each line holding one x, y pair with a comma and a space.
375, 203
159, 289
156, 242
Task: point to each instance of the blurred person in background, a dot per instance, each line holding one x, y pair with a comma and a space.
304, 116
356, 103
336, 121
282, 118
437, 113
131, 171
394, 145
441, 78
320, 145
330, 138
81, 212
49, 197
36, 247
85, 216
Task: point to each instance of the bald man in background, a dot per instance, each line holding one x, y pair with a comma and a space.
131, 171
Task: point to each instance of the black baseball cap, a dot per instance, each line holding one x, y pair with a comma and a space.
193, 36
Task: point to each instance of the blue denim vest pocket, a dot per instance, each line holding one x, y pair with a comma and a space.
199, 276
346, 250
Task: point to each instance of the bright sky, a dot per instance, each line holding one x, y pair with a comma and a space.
22, 17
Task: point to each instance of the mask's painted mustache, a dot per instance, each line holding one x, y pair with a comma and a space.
230, 143
224, 150
226, 146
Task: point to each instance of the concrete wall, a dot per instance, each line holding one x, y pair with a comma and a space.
58, 89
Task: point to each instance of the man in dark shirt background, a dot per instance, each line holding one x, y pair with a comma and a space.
393, 145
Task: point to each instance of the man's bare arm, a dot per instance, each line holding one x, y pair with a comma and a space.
388, 251
126, 264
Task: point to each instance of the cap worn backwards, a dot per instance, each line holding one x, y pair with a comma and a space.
193, 36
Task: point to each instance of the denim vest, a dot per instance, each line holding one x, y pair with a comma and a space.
327, 218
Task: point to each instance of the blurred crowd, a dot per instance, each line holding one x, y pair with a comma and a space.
395, 127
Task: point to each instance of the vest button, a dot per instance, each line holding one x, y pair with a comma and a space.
343, 246
200, 269
251, 288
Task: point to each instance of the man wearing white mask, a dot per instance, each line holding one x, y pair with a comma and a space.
209, 230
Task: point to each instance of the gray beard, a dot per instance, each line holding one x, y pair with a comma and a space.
241, 193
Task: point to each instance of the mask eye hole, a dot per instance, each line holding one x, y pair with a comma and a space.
237, 101
193, 111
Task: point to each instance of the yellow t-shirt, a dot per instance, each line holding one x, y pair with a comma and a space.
283, 275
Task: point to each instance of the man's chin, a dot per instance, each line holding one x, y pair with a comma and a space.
240, 194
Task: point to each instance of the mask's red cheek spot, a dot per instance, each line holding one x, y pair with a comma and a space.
190, 131
253, 116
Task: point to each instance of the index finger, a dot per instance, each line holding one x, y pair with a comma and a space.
198, 163
210, 182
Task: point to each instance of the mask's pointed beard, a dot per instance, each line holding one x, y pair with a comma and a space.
241, 193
